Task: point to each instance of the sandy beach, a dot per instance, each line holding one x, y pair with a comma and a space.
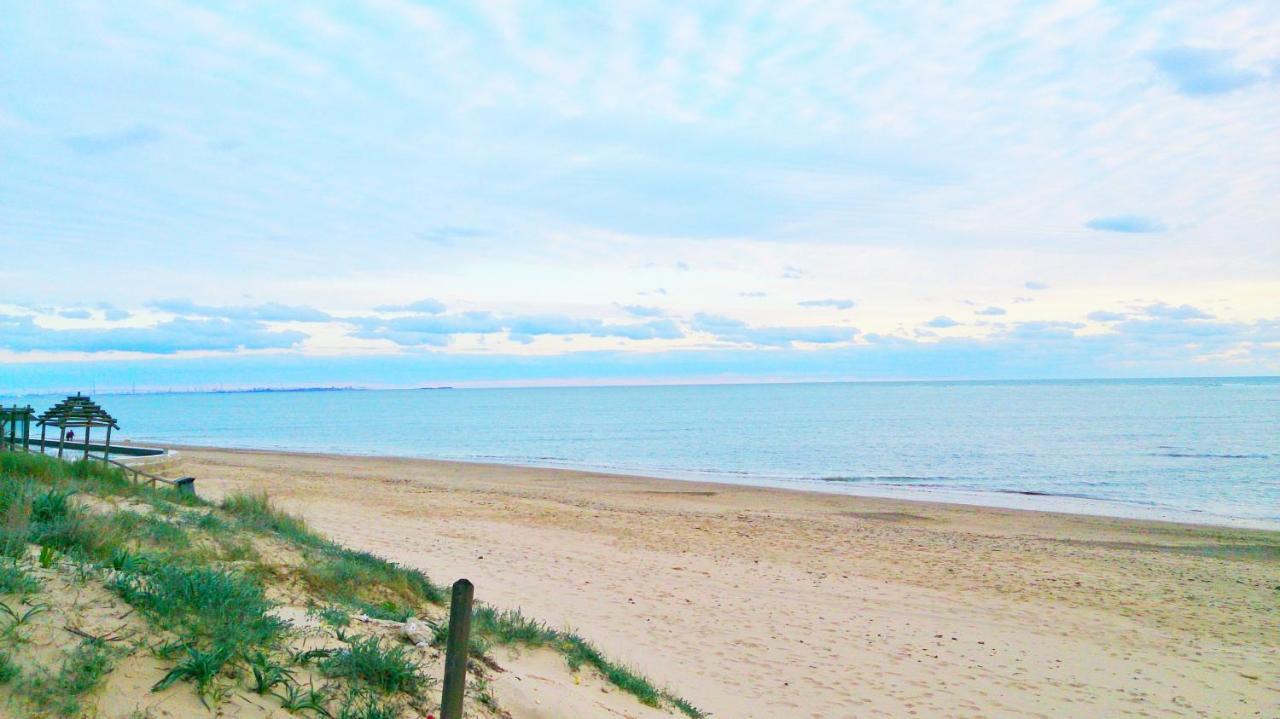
758, 602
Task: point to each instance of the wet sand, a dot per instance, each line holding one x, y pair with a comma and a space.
756, 602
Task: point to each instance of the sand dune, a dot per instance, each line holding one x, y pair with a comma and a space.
767, 603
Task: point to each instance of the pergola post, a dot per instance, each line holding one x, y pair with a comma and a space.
87, 427
62, 439
106, 448
42, 429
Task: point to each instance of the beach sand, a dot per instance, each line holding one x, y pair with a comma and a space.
757, 602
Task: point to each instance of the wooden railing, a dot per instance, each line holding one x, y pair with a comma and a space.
184, 484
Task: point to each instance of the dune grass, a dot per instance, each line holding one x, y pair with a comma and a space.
503, 627
191, 570
209, 607
387, 669
339, 573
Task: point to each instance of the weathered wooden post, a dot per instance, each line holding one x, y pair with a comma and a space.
62, 440
87, 427
455, 657
106, 448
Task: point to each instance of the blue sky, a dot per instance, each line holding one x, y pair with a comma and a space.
404, 193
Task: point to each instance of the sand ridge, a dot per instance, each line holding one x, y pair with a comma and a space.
759, 603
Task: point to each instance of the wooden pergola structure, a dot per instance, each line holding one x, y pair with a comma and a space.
15, 427
77, 411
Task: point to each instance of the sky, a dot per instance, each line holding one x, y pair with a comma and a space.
401, 193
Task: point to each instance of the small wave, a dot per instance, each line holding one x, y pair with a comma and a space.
1210, 455
1039, 493
887, 479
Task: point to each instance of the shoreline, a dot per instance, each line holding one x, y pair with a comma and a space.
991, 499
760, 602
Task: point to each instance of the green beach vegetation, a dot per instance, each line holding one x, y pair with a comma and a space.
134, 591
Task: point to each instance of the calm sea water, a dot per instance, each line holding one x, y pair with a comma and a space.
1206, 450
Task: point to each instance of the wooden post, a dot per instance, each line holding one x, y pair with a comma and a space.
43, 427
87, 427
62, 440
106, 448
455, 657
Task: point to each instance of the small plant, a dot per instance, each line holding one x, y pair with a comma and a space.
169, 650
17, 621
388, 611
8, 670
483, 693
14, 579
85, 570
367, 706
388, 670
208, 521
296, 699
238, 550
122, 560
21, 619
306, 656
199, 666
48, 555
51, 506
163, 533
82, 671
333, 616
267, 674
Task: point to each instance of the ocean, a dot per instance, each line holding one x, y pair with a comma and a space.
1203, 450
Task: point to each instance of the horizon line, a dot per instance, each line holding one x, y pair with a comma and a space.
557, 384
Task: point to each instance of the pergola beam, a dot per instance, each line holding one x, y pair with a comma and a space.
78, 411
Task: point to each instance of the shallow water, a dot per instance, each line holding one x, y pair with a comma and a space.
1203, 449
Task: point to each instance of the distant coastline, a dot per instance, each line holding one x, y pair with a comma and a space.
697, 382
